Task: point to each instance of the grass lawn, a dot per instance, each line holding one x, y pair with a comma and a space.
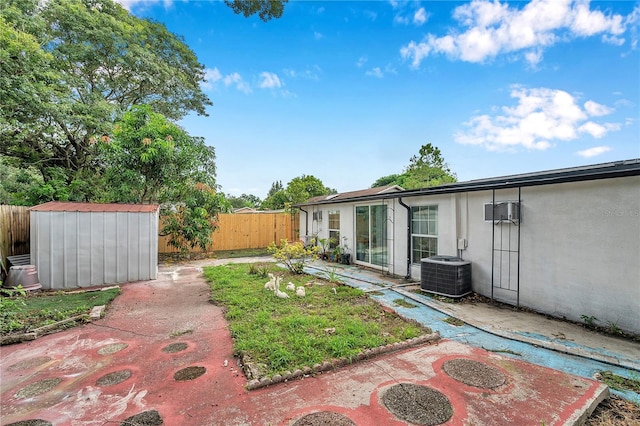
289, 334
22, 314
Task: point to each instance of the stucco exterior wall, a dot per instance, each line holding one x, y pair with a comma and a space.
579, 249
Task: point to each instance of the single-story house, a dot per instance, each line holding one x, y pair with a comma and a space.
562, 242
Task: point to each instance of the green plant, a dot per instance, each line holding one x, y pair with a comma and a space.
332, 276
260, 270
618, 382
589, 320
613, 328
11, 305
404, 303
293, 255
454, 321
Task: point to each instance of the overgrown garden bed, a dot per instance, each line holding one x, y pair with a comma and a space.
279, 335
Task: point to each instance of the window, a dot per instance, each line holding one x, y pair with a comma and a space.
424, 232
334, 228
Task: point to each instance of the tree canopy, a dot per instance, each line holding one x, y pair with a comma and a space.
266, 9
424, 170
299, 189
70, 68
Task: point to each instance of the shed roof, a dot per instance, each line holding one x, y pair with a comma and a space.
61, 206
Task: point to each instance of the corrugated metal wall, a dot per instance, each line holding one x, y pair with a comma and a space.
82, 249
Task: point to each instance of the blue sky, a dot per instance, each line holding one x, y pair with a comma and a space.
348, 91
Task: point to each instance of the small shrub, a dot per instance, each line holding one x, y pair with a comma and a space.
293, 255
10, 307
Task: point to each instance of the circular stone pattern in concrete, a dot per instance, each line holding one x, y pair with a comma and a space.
113, 378
34, 422
324, 418
36, 388
29, 363
189, 373
112, 348
474, 373
417, 404
175, 347
146, 418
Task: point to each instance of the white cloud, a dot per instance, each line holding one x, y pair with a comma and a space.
309, 73
269, 80
213, 77
129, 4
593, 152
361, 61
420, 17
375, 72
596, 109
317, 35
541, 117
236, 80
491, 28
372, 16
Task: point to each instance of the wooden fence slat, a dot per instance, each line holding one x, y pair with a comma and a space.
14, 231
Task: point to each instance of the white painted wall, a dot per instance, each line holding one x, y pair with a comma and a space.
83, 249
579, 246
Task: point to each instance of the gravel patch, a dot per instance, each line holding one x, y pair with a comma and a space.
112, 348
113, 378
34, 422
417, 404
324, 418
175, 347
36, 388
189, 373
474, 373
146, 418
29, 363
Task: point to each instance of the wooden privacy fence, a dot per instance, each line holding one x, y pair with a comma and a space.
14, 231
247, 230
236, 231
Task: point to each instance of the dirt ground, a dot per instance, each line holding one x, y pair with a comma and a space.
615, 411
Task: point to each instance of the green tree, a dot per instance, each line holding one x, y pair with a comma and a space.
386, 180
266, 9
244, 200
70, 68
424, 170
302, 188
152, 160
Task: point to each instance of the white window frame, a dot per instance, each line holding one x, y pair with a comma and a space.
431, 226
334, 230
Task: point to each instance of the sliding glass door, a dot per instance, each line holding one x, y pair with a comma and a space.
371, 235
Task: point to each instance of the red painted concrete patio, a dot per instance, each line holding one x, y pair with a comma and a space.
150, 315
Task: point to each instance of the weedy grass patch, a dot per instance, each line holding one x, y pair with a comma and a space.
330, 321
31, 311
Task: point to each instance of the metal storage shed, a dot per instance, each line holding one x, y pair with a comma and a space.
85, 244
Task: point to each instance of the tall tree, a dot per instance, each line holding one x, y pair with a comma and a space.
244, 200
152, 160
426, 169
266, 9
85, 62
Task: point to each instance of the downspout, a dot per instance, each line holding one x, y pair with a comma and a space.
306, 223
408, 276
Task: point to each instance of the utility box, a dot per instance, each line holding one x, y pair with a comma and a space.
85, 244
446, 276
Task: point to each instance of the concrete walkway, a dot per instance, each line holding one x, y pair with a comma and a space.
536, 338
163, 352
